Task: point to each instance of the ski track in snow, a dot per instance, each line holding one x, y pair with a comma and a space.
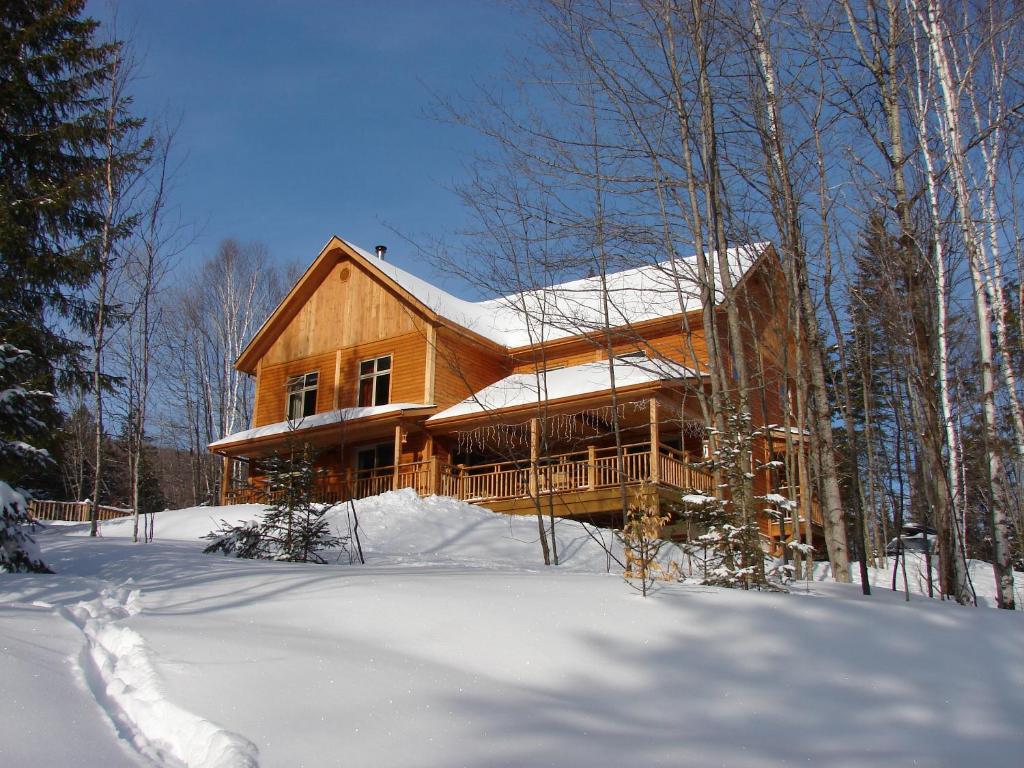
115, 663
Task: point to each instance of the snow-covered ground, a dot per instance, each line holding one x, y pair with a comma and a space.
455, 646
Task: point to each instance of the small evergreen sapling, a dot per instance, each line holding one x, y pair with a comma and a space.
294, 527
243, 540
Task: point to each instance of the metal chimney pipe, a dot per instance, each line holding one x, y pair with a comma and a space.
381, 250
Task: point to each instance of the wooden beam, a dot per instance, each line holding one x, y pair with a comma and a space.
534, 455
655, 439
225, 479
431, 365
337, 381
398, 456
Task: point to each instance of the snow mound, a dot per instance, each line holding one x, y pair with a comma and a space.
400, 527
117, 668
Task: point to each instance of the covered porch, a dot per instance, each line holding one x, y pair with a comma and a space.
580, 457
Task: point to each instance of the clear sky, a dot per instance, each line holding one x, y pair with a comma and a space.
300, 120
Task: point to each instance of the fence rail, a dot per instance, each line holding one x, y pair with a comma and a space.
73, 511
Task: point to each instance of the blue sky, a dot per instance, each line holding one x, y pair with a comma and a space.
307, 119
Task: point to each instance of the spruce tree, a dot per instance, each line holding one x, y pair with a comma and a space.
52, 131
293, 527
21, 409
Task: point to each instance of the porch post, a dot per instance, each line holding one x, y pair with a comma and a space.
655, 466
534, 455
225, 478
432, 475
398, 457
431, 486
591, 467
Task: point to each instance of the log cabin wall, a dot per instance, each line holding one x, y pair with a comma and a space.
347, 317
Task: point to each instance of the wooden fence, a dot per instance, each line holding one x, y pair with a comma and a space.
73, 511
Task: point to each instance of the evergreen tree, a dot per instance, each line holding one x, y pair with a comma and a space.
294, 525
52, 134
20, 411
293, 528
729, 542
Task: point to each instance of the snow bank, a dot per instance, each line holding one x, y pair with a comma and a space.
400, 527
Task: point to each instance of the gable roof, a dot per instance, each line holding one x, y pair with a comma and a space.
553, 312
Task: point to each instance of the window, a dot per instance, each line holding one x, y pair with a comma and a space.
374, 457
302, 395
375, 381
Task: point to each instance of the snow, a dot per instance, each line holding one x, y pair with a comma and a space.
568, 309
698, 499
317, 420
521, 389
455, 646
980, 574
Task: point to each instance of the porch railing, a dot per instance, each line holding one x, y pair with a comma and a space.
579, 471
590, 469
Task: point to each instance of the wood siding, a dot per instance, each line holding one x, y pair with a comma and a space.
463, 367
665, 341
272, 381
348, 308
408, 356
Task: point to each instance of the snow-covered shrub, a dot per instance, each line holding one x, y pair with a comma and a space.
21, 419
18, 551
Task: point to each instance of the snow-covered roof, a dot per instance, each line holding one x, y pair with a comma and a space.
316, 420
521, 389
575, 307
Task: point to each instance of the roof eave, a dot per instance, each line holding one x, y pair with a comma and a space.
516, 410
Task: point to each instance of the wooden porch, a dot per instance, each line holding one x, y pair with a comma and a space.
577, 482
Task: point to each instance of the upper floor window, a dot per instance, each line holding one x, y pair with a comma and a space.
302, 395
375, 381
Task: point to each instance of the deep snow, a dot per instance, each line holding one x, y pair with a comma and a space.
455, 646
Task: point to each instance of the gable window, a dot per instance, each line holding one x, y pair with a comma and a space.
375, 381
302, 395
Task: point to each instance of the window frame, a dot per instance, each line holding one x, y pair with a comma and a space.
300, 386
373, 376
377, 450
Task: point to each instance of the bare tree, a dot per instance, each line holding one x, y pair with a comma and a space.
125, 155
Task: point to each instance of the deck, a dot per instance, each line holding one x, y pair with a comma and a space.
582, 482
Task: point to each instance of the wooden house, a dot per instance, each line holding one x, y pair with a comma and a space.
509, 403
